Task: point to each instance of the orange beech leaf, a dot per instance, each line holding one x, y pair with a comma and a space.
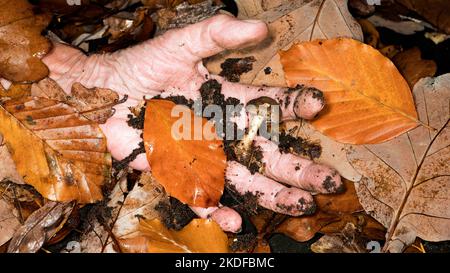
193, 171
367, 99
199, 236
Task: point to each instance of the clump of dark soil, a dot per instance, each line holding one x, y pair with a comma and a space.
181, 100
233, 68
137, 122
243, 242
174, 214
299, 146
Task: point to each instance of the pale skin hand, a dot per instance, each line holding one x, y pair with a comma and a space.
172, 65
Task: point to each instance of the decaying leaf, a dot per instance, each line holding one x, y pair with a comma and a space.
21, 43
95, 104
190, 170
9, 221
8, 170
198, 236
367, 99
413, 67
62, 154
139, 204
406, 180
40, 227
347, 241
289, 23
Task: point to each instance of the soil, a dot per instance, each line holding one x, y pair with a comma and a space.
181, 100
174, 214
244, 204
233, 68
243, 242
137, 122
299, 146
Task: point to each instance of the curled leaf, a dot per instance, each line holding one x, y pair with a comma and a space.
367, 100
40, 227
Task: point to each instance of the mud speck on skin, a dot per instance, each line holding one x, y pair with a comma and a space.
174, 214
211, 92
254, 163
307, 208
330, 185
233, 68
298, 145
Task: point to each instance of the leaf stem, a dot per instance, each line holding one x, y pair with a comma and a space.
396, 219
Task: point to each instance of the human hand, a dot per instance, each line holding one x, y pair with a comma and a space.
171, 65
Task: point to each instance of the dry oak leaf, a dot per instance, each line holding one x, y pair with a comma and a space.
9, 221
367, 99
190, 170
61, 154
406, 180
289, 23
40, 226
413, 67
199, 236
21, 43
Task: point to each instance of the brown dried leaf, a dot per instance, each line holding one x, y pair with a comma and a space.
62, 154
436, 12
9, 221
347, 241
95, 104
406, 180
289, 23
139, 204
413, 67
21, 43
199, 236
40, 227
8, 170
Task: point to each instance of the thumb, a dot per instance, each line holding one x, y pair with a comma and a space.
211, 37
